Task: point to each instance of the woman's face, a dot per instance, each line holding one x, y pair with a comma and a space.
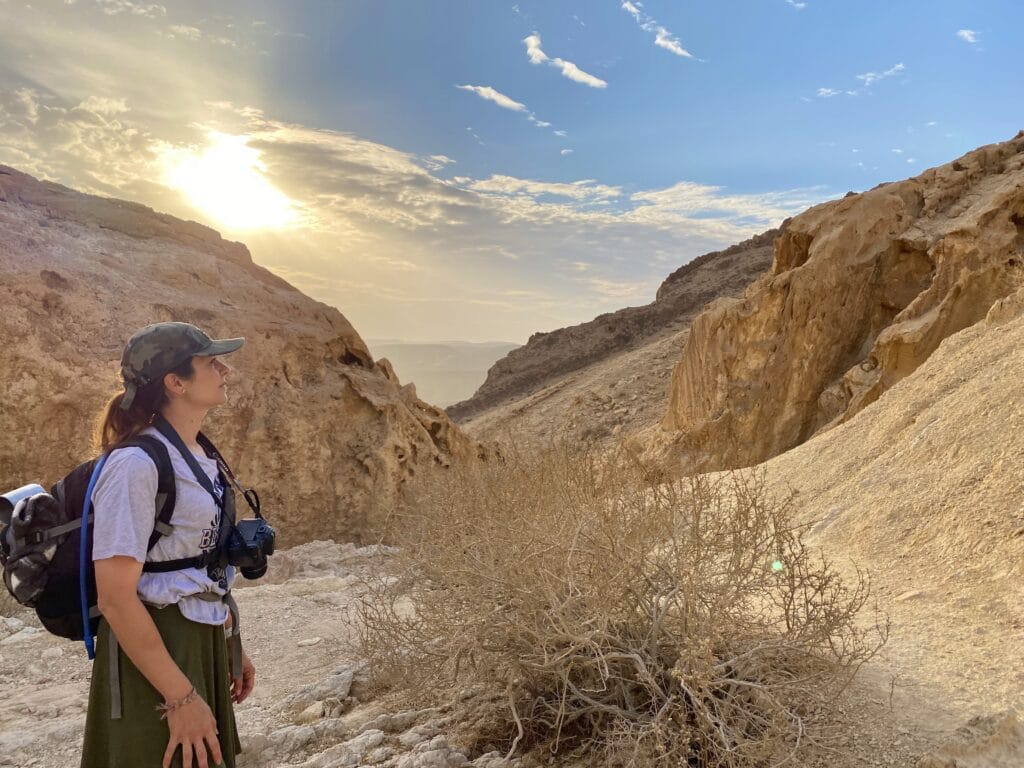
208, 386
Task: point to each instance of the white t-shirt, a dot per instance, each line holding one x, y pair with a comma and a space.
124, 504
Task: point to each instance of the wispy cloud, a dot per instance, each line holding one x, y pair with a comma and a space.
115, 7
436, 162
795, 4
662, 37
569, 70
566, 152
967, 35
101, 105
584, 190
489, 94
869, 78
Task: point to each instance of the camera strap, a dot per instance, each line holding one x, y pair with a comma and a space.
212, 556
165, 429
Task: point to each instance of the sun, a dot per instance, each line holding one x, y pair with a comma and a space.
225, 181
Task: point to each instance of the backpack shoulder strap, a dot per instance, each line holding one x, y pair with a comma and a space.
165, 488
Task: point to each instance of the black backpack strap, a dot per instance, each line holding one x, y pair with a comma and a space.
165, 488
181, 564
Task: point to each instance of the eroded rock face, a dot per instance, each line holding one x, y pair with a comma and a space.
861, 292
327, 436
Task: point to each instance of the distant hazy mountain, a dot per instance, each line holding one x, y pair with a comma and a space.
444, 372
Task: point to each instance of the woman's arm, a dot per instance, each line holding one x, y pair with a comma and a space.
193, 725
117, 583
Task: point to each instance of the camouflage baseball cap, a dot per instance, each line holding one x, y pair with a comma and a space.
159, 348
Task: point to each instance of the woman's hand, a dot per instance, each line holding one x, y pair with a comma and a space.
241, 688
194, 727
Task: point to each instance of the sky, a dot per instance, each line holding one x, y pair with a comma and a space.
483, 170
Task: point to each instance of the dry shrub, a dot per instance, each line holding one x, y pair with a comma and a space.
680, 623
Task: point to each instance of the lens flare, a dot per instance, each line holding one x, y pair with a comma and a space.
226, 181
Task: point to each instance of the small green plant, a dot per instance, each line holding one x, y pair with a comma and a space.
629, 621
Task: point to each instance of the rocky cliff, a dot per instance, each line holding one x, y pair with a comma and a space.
328, 436
861, 291
547, 358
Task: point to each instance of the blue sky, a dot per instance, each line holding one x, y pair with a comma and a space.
484, 170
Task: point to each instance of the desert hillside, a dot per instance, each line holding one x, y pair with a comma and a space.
861, 292
923, 489
327, 435
611, 375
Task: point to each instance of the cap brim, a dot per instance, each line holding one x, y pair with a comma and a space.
222, 347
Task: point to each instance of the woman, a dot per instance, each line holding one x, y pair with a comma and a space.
162, 686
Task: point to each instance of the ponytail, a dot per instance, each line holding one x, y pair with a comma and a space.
116, 425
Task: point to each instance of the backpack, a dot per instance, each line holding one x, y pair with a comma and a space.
45, 545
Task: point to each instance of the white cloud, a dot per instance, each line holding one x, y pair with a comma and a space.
577, 75
586, 190
967, 35
533, 49
689, 200
103, 106
568, 69
911, 159
115, 7
563, 134
436, 162
662, 37
872, 77
621, 289
488, 93
898, 151
183, 30
932, 123
566, 152
867, 79
795, 4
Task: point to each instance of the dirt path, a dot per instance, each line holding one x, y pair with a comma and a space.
306, 710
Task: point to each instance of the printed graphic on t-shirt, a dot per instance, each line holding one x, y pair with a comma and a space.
208, 539
211, 535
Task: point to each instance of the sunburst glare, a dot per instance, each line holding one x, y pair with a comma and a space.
225, 180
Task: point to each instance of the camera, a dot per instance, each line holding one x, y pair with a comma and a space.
248, 546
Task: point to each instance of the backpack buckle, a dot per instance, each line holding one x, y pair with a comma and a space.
36, 537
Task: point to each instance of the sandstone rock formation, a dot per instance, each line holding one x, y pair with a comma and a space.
862, 290
922, 488
525, 387
325, 434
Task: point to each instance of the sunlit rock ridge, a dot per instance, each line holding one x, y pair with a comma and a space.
326, 434
861, 291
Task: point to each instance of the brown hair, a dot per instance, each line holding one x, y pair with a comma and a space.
115, 425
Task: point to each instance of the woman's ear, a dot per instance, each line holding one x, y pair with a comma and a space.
174, 385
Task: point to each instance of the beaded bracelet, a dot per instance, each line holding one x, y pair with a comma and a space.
170, 706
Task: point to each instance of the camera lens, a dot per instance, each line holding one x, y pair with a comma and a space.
254, 571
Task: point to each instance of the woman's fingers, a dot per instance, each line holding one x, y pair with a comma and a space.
214, 746
169, 753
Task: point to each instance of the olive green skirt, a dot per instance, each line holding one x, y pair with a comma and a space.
138, 739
